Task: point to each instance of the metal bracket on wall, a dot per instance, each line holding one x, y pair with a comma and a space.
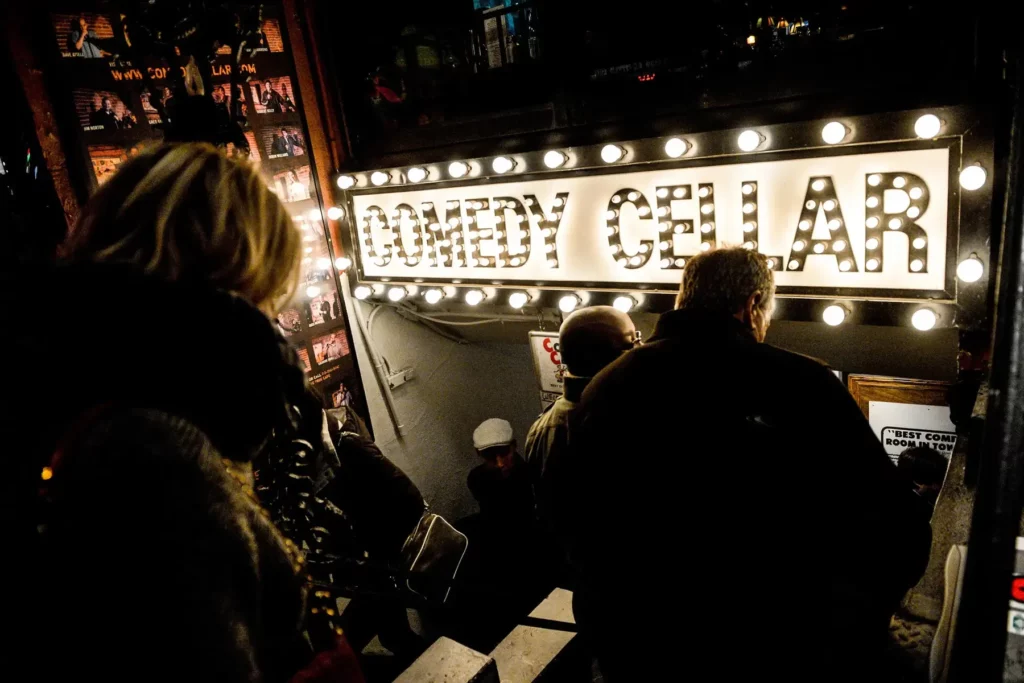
397, 379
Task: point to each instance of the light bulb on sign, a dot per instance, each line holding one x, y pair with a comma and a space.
916, 192
314, 215
972, 177
474, 297
346, 181
342, 263
335, 213
676, 147
323, 263
927, 127
874, 179
924, 319
458, 169
502, 164
433, 296
871, 243
380, 178
747, 188
833, 133
612, 153
919, 242
416, 174
624, 303
312, 291
362, 292
518, 299
834, 315
872, 264
818, 185
749, 140
554, 159
569, 303
970, 269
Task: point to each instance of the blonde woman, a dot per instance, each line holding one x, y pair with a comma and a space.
155, 560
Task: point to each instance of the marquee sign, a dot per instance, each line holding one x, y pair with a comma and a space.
874, 222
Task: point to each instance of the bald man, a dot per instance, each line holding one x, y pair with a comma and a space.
589, 339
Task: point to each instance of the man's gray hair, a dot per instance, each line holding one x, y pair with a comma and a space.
721, 281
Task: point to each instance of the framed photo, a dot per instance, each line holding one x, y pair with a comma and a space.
906, 413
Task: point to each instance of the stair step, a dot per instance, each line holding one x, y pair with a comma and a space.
446, 661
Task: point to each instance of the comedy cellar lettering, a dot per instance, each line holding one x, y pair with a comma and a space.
863, 221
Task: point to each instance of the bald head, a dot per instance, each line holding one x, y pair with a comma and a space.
591, 338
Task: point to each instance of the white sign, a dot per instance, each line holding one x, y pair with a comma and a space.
547, 361
900, 426
861, 221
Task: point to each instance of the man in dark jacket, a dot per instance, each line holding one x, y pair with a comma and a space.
738, 516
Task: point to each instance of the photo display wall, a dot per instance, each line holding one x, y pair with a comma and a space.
124, 102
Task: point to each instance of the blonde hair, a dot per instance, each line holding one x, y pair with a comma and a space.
188, 213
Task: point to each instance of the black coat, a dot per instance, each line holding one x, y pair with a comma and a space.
155, 561
737, 514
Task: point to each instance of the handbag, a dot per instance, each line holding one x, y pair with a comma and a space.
431, 557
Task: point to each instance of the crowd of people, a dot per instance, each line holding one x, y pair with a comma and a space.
716, 503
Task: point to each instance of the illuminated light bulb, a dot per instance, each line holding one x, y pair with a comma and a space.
705, 246
828, 205
568, 303
559, 202
624, 303
633, 196
323, 263
771, 263
972, 177
749, 140
474, 297
518, 299
314, 215
502, 164
665, 245
380, 178
799, 245
805, 225
312, 291
749, 207
680, 262
749, 245
458, 169
834, 224
705, 228
916, 193
707, 208
516, 261
335, 213
871, 222
970, 269
895, 224
362, 292
478, 205
346, 181
838, 245
919, 243
811, 204
927, 126
554, 159
748, 188
664, 226
552, 217
749, 227
616, 199
834, 315
704, 192
819, 248
469, 220
679, 193
794, 264
916, 265
552, 263
874, 179
872, 264
549, 232
751, 39
308, 250
818, 185
924, 319
871, 244
622, 262
609, 231
845, 266
433, 296
676, 147
549, 248
913, 212
679, 230
635, 260
342, 263
416, 174
871, 202
833, 133
612, 153
644, 210
644, 248
665, 263
899, 182
662, 192
396, 294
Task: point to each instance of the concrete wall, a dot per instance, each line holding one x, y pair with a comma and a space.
457, 386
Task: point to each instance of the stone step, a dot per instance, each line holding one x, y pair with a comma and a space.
446, 661
527, 651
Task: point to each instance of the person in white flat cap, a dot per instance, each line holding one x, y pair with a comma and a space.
501, 484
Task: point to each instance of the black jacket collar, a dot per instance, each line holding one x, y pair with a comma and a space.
686, 323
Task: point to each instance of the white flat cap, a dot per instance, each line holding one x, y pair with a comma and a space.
493, 432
